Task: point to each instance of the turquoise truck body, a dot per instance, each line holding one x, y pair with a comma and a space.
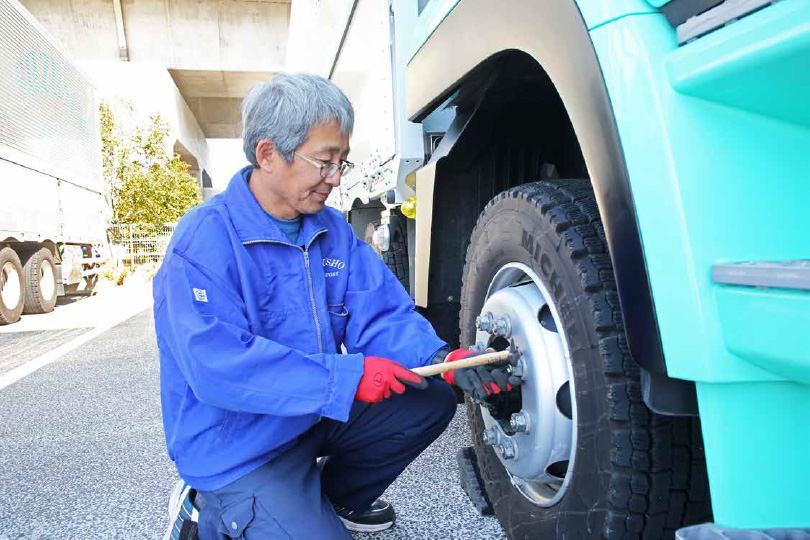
716, 139
716, 136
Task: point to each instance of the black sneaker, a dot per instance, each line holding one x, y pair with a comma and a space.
379, 517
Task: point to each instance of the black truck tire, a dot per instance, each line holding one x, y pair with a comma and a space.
40, 282
11, 276
396, 258
635, 473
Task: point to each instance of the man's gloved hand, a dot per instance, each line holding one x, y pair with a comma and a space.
382, 376
479, 381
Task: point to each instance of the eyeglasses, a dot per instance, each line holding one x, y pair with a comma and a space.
328, 169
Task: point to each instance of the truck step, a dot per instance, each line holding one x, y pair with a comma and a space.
726, 13
471, 480
784, 274
710, 531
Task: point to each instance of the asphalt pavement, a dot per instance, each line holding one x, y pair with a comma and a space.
82, 453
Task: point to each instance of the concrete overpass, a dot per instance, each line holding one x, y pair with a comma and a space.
191, 61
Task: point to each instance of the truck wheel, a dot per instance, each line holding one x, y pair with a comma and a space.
396, 258
11, 286
40, 282
573, 451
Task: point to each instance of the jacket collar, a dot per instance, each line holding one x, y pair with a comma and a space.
252, 223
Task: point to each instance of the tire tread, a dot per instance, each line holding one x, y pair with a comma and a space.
396, 258
34, 302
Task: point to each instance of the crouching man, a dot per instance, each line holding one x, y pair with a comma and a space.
259, 288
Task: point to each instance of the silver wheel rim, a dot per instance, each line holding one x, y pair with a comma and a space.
517, 294
11, 292
47, 281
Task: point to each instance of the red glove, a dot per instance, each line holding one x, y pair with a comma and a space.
381, 376
480, 381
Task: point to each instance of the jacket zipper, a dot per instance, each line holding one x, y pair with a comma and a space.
312, 298
305, 251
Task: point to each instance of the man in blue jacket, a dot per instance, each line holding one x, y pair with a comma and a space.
260, 287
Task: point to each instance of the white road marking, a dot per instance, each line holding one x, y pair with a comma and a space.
14, 375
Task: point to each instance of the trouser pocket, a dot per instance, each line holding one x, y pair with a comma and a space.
239, 518
235, 519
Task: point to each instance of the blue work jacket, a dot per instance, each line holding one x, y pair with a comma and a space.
249, 328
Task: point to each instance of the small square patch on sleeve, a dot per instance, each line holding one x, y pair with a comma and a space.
200, 295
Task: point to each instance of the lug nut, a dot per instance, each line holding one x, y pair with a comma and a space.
507, 449
519, 369
503, 326
485, 322
490, 436
519, 422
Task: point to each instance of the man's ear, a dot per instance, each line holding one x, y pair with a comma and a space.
265, 154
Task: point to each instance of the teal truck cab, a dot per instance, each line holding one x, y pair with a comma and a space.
620, 190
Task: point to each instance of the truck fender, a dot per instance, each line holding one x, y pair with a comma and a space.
442, 68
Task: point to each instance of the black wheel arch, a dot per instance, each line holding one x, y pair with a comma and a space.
520, 83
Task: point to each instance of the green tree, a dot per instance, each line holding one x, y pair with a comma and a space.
145, 184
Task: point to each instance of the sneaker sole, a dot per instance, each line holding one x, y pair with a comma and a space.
357, 527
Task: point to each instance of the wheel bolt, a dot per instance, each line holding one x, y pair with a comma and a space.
490, 437
519, 422
503, 326
485, 322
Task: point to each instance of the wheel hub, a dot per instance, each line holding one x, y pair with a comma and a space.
47, 280
11, 286
535, 444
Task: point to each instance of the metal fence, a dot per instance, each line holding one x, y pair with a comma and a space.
140, 243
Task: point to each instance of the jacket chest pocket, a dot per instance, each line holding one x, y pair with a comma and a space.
338, 317
281, 308
288, 327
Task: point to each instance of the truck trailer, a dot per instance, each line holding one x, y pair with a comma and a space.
52, 206
620, 191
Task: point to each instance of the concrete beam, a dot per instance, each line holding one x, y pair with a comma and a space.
230, 35
85, 27
215, 98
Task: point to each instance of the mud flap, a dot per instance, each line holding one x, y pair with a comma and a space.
471, 480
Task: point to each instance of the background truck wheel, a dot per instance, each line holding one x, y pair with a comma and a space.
40, 282
573, 451
396, 258
11, 286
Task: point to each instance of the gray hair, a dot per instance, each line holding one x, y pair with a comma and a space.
285, 109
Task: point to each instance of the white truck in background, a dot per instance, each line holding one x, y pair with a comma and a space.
52, 206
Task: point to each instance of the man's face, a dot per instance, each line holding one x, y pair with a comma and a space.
298, 188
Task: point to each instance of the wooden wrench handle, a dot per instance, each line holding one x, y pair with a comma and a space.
479, 360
